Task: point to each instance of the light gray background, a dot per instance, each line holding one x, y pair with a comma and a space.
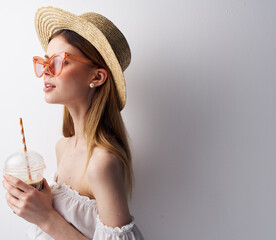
200, 112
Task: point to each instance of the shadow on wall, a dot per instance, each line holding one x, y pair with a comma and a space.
164, 152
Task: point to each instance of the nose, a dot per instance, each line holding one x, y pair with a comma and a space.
45, 70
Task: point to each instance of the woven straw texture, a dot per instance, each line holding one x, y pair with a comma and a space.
98, 30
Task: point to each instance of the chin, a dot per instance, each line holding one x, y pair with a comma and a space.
51, 100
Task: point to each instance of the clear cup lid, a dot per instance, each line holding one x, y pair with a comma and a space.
20, 161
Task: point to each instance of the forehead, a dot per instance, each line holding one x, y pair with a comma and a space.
59, 44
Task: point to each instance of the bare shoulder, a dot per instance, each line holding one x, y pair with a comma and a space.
60, 146
103, 162
106, 178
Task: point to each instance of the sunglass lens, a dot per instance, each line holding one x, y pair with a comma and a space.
55, 65
38, 67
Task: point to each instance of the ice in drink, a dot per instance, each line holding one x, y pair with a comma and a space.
27, 166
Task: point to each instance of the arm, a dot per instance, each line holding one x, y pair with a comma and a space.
106, 177
58, 228
36, 207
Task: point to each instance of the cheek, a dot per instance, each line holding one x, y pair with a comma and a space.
73, 81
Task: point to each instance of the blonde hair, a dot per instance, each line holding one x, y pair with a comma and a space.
103, 123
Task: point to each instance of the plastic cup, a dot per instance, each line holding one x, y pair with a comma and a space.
17, 166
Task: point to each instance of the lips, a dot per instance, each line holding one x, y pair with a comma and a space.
49, 85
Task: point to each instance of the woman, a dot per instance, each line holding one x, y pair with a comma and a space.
83, 70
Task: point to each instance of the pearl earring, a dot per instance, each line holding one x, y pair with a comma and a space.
91, 85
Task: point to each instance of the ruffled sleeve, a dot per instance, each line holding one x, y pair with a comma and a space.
127, 232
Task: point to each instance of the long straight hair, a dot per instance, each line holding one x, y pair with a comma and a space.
103, 123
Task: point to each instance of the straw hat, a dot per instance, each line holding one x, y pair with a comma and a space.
98, 30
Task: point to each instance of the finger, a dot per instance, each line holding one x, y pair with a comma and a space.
12, 190
12, 201
16, 182
13, 208
45, 184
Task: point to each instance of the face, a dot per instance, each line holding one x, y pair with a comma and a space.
72, 85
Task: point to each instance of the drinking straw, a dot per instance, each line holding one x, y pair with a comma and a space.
25, 148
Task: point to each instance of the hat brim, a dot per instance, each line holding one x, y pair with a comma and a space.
49, 20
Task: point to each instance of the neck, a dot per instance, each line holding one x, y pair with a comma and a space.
78, 113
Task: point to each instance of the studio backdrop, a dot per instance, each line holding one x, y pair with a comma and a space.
200, 112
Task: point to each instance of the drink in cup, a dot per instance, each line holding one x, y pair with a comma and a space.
27, 166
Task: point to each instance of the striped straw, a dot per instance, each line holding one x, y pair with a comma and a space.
25, 148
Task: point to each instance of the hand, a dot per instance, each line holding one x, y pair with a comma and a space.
26, 201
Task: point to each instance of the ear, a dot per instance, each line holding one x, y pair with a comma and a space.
99, 77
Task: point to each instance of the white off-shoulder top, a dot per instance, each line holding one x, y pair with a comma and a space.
81, 212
